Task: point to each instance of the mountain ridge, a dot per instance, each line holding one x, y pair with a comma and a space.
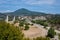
27, 12
24, 11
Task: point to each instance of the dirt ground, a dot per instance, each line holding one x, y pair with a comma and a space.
34, 32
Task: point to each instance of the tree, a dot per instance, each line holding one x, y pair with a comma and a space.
26, 27
45, 24
51, 32
33, 21
21, 23
9, 32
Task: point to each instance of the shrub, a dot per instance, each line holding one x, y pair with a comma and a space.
26, 27
51, 32
41, 38
9, 32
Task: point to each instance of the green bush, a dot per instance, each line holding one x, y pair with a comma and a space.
21, 23
9, 32
33, 21
45, 24
51, 33
41, 38
26, 27
59, 36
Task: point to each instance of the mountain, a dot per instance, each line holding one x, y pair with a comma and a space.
24, 11
27, 12
2, 16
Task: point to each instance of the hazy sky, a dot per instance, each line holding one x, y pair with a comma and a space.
49, 6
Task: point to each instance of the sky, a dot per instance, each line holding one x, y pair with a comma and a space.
47, 6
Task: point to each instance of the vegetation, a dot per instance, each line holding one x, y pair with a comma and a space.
26, 38
22, 23
54, 20
59, 36
9, 32
41, 22
51, 33
38, 38
16, 21
41, 38
26, 27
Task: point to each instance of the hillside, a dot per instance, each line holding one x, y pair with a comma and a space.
24, 11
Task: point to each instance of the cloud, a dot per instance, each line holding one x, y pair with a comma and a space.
31, 2
9, 2
39, 2
6, 11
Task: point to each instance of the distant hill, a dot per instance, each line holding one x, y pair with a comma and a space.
2, 16
27, 12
